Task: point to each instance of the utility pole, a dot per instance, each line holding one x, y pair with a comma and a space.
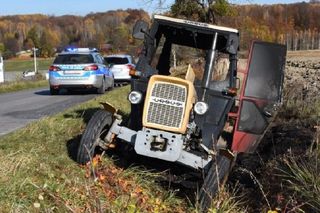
35, 59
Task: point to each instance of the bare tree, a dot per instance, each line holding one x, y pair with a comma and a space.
157, 5
207, 6
206, 10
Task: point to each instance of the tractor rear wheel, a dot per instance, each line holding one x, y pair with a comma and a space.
215, 175
95, 132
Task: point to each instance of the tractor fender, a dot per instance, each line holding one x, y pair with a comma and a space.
108, 107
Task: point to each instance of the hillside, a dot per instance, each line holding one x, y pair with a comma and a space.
108, 31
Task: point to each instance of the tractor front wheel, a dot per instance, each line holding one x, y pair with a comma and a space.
95, 132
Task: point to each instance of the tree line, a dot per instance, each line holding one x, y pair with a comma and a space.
297, 25
109, 31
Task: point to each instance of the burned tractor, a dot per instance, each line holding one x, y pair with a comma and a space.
197, 120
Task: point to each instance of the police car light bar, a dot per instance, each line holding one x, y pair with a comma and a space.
74, 49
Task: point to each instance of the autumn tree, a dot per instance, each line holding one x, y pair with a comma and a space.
33, 35
47, 43
2, 48
11, 42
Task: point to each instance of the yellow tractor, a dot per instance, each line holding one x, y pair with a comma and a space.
201, 117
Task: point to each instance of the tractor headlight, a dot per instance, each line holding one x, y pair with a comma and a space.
135, 97
201, 108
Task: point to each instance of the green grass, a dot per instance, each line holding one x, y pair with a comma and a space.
22, 85
37, 173
302, 175
26, 64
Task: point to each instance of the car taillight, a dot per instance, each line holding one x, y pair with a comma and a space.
130, 67
91, 67
134, 72
54, 68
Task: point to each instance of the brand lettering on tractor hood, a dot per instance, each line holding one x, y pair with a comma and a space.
167, 102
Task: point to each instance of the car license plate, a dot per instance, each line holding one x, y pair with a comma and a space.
115, 70
72, 72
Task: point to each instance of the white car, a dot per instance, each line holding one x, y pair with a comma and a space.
120, 66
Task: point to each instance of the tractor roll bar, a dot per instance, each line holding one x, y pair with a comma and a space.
209, 65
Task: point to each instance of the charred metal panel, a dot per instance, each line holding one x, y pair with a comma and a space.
200, 40
148, 51
218, 107
181, 32
252, 124
212, 123
137, 109
266, 69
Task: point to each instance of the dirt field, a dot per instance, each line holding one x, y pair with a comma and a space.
303, 72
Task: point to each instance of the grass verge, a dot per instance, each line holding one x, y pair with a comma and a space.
26, 64
21, 85
37, 172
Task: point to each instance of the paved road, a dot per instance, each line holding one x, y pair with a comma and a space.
20, 108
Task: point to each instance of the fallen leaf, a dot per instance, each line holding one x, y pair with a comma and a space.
40, 197
36, 205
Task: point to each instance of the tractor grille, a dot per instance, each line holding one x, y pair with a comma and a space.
167, 104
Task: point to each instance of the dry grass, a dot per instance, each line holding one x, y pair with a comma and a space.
22, 85
26, 64
228, 202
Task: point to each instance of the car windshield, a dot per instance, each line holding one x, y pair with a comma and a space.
116, 60
74, 59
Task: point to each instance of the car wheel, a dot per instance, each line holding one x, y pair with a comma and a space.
95, 132
216, 173
111, 86
54, 91
102, 89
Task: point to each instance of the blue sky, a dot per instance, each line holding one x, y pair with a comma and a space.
83, 7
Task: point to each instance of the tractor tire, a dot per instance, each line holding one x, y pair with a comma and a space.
215, 175
102, 89
95, 131
54, 91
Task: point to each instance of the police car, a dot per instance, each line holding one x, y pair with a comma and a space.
79, 68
